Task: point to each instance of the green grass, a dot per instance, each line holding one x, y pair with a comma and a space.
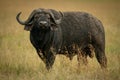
19, 60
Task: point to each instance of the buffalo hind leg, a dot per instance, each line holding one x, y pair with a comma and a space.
100, 55
80, 56
84, 57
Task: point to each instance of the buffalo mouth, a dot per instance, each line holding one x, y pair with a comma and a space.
43, 27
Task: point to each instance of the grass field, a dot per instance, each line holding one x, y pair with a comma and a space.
19, 61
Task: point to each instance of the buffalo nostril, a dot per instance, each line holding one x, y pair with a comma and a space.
43, 22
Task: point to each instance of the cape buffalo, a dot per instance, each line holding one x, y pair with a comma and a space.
51, 32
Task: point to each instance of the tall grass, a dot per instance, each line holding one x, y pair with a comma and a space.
19, 61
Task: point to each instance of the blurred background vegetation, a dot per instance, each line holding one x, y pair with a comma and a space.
19, 61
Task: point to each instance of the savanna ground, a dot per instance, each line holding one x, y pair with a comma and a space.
19, 61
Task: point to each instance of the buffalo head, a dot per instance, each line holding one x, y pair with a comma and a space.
41, 19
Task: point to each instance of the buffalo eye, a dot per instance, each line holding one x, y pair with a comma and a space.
48, 16
36, 16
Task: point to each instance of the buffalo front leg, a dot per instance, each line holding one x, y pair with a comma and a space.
40, 54
47, 57
50, 58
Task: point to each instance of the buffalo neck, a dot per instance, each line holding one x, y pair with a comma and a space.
43, 38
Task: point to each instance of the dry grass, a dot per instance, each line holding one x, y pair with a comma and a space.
19, 61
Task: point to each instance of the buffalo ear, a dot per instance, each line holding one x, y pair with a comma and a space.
53, 28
